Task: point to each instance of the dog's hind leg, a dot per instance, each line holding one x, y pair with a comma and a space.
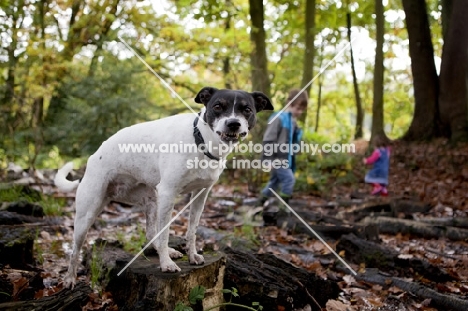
196, 210
90, 200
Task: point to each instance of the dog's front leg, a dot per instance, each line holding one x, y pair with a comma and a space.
196, 210
165, 205
151, 223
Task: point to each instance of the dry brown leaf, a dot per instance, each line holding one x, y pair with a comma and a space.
335, 305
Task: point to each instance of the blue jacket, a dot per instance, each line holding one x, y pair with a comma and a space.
282, 131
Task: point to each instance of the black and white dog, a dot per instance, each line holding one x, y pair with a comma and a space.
154, 179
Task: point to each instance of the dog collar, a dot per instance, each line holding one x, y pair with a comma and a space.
199, 139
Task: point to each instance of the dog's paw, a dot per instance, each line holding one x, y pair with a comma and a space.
69, 282
196, 259
174, 254
169, 266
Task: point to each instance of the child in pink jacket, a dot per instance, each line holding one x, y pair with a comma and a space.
378, 175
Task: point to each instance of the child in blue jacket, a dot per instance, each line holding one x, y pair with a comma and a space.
280, 135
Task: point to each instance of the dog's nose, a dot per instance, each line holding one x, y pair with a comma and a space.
233, 124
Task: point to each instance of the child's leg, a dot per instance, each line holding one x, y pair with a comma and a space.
287, 179
273, 183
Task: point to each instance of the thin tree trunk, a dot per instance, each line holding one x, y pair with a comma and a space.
453, 96
258, 56
319, 104
425, 81
226, 60
309, 51
359, 111
377, 105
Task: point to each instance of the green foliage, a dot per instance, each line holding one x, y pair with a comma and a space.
98, 106
50, 205
197, 294
133, 242
96, 265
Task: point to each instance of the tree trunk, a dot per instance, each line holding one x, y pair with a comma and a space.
309, 50
226, 60
453, 96
359, 111
377, 105
258, 56
425, 80
319, 105
446, 13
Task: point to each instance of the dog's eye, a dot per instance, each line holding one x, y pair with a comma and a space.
248, 110
217, 107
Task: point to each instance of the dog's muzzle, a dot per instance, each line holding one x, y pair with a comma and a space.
231, 133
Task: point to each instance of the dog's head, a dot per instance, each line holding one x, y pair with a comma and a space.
231, 113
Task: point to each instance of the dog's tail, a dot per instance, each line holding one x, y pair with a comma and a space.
61, 180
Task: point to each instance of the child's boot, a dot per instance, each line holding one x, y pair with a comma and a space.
377, 189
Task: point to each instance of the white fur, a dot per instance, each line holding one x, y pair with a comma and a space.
149, 179
62, 182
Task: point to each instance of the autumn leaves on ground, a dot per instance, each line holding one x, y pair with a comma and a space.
435, 174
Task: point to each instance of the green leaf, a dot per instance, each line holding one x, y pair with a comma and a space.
197, 293
181, 307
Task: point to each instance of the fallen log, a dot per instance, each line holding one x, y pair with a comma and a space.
438, 300
16, 246
66, 299
389, 208
375, 255
446, 221
274, 283
416, 228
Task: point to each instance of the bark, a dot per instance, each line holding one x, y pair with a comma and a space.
358, 133
309, 51
425, 80
66, 299
453, 96
447, 6
415, 228
258, 56
377, 105
274, 283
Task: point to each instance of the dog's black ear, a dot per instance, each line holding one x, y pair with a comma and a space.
204, 96
262, 102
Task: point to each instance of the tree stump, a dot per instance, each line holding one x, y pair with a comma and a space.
142, 286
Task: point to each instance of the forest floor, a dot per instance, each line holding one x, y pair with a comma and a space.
434, 173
